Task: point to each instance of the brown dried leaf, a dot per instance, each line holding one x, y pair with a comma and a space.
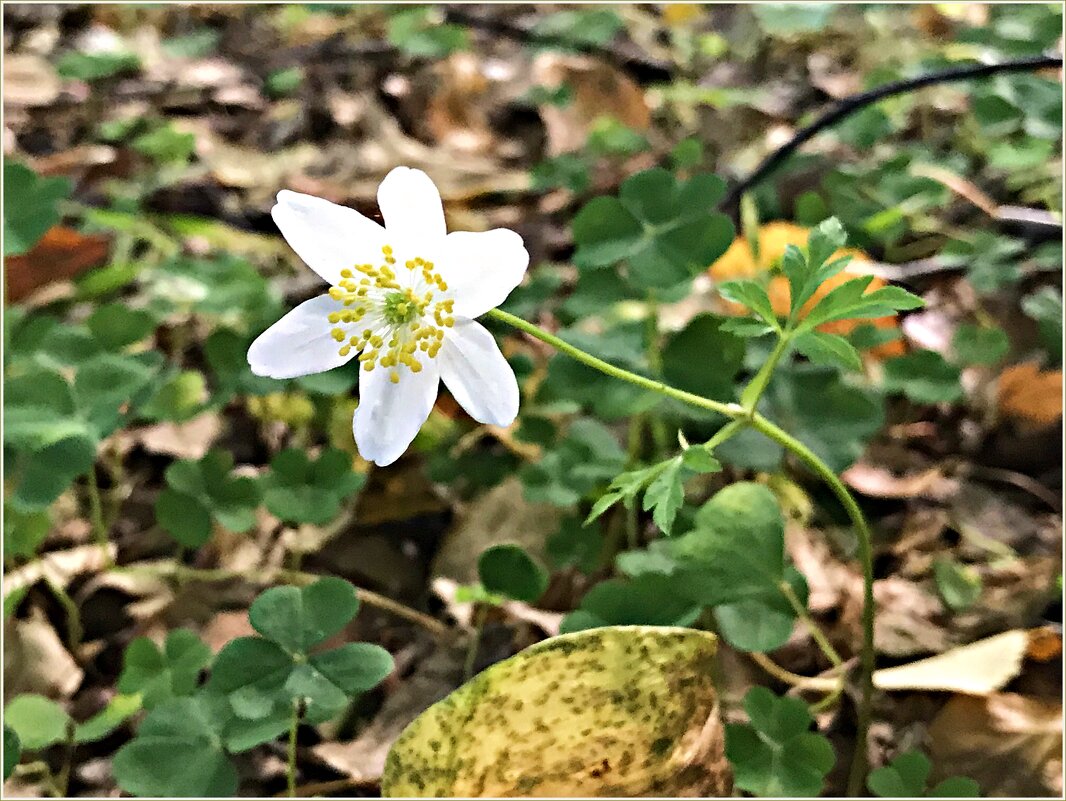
1011, 745
36, 661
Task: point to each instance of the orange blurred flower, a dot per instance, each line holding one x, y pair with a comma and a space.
774, 237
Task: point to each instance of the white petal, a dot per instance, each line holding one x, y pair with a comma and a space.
477, 375
412, 209
482, 268
299, 343
389, 415
326, 236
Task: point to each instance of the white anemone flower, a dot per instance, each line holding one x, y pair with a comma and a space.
402, 302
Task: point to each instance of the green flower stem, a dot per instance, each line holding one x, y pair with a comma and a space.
757, 386
728, 409
745, 416
815, 630
857, 775
290, 772
475, 641
96, 512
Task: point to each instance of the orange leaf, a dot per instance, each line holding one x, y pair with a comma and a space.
62, 254
1030, 394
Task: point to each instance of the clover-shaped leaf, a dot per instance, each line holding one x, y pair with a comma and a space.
12, 751
664, 229
907, 775
776, 754
178, 751
30, 206
160, 674
509, 570
588, 456
38, 721
261, 677
298, 490
297, 618
199, 492
116, 325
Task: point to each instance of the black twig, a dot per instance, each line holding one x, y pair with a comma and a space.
849, 105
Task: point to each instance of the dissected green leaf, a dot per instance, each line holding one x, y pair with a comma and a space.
619, 711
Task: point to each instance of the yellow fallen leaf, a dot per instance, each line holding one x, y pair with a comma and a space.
618, 711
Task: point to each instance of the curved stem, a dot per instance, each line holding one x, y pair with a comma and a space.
728, 409
743, 416
815, 630
865, 537
290, 772
812, 683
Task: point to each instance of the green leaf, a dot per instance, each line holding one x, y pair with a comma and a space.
956, 787
828, 349
752, 295
30, 206
118, 710
283, 82
646, 600
974, 344
299, 618
24, 532
12, 751
419, 32
905, 776
665, 230
582, 27
813, 404
184, 517
38, 721
664, 496
179, 398
177, 752
700, 459
96, 66
250, 662
509, 570
958, 585
923, 376
1045, 307
776, 754
160, 674
704, 358
761, 624
116, 325
354, 667
300, 491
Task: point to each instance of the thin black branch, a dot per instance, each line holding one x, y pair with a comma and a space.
849, 105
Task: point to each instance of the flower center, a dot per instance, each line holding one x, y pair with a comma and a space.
402, 315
